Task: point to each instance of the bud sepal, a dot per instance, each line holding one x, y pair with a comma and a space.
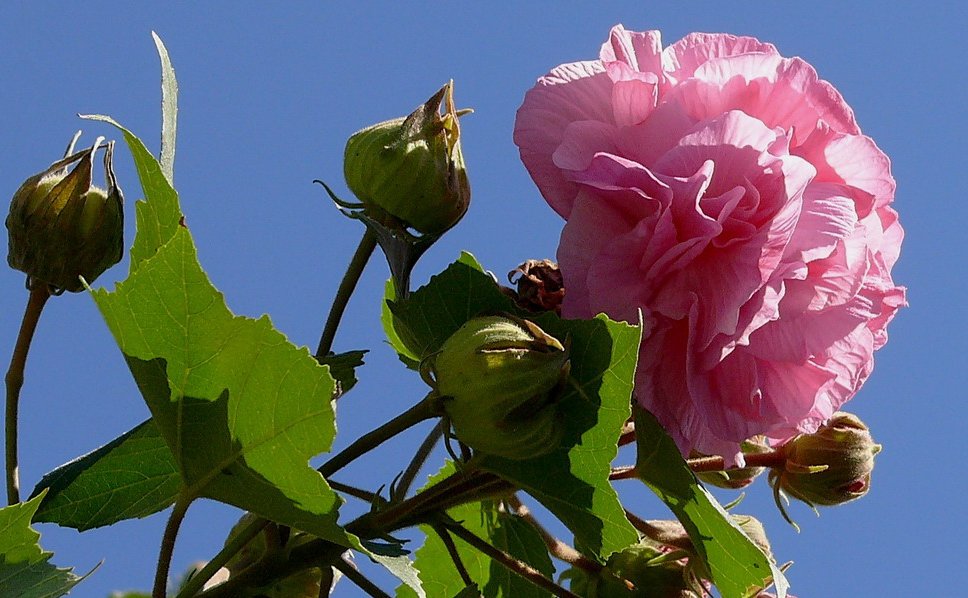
500, 379
832, 466
63, 228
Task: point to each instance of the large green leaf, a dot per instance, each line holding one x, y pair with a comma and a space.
737, 565
241, 408
25, 570
572, 482
438, 574
134, 475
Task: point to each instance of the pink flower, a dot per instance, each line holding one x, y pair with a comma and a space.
728, 194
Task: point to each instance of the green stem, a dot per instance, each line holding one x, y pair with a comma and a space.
356, 577
233, 546
353, 491
454, 554
512, 564
463, 486
346, 288
168, 545
425, 409
419, 458
558, 549
15, 381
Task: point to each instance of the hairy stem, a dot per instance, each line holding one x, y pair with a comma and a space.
463, 486
356, 577
353, 491
454, 555
511, 563
345, 291
15, 381
425, 409
233, 546
705, 464
168, 545
419, 458
771, 459
558, 549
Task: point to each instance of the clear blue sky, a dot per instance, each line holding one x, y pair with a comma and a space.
271, 91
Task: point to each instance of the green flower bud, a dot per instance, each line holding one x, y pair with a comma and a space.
302, 584
502, 378
62, 227
412, 169
650, 572
829, 467
735, 479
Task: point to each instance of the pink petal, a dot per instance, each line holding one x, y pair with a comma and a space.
827, 217
573, 92
686, 55
642, 51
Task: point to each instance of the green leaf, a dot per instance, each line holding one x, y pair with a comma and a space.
510, 533
241, 408
25, 570
134, 475
403, 569
573, 481
738, 567
391, 324
342, 367
169, 110
158, 216
435, 311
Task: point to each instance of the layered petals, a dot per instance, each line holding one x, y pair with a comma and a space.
724, 196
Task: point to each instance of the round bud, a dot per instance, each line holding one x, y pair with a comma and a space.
501, 378
639, 571
62, 227
831, 466
302, 584
412, 169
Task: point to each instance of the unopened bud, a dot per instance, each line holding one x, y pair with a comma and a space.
638, 571
829, 467
301, 584
412, 168
502, 378
62, 227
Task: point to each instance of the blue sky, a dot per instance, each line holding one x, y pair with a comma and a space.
269, 95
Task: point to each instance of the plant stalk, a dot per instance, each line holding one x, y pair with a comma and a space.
168, 545
558, 549
233, 546
419, 458
345, 291
356, 577
15, 381
425, 409
514, 565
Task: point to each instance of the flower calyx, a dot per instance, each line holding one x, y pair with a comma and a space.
500, 379
63, 228
829, 467
410, 180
